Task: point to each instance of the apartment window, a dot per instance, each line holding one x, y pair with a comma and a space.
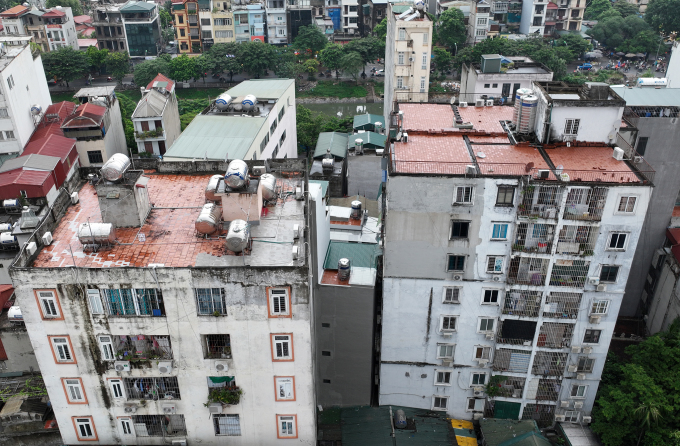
62, 349
227, 424
494, 85
134, 302
223, 34
475, 405
206, 34
106, 347
94, 298
609, 273
490, 297
95, 156
481, 21
505, 196
599, 307
463, 195
3, 113
279, 302
325, 353
402, 33
440, 402
585, 364
218, 346
426, 39
478, 379
211, 301
442, 378
500, 231
159, 425
75, 394
422, 83
482, 352
126, 426
572, 416
272, 128
205, 22
455, 263
486, 324
400, 58
285, 388
84, 428
447, 323
480, 33
494, 265
627, 205
283, 138
182, 32
571, 126
400, 82
116, 386
445, 351
287, 426
617, 241
10, 82
282, 347
592, 337
424, 64
640, 149
460, 229
487, 85
578, 391
160, 388
451, 295
282, 112
50, 308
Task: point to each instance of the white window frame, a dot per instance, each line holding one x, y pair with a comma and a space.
400, 82
493, 324
485, 348
498, 263
586, 360
291, 430
75, 394
600, 307
612, 235
570, 414
94, 297
500, 230
627, 199
571, 126
437, 401
49, 303
444, 345
472, 379
581, 391
126, 426
474, 404
481, 21
448, 317
225, 417
106, 347
463, 194
426, 39
480, 32
276, 342
491, 290
448, 256
453, 292
275, 301
9, 134
402, 33
117, 388
84, 421
59, 348
443, 374
423, 83
401, 57
285, 385
424, 64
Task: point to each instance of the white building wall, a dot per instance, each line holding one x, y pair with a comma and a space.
673, 68
288, 149
527, 26
665, 305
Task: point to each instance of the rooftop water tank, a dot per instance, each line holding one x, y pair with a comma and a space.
222, 102
7, 239
36, 109
114, 169
4, 227
400, 419
268, 183
519, 94
10, 203
527, 117
238, 236
356, 210
343, 269
249, 102
237, 174
96, 234
211, 188
14, 314
208, 220
420, 5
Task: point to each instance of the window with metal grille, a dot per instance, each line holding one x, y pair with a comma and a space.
599, 307
578, 391
494, 264
159, 425
205, 22
140, 347
478, 379
592, 336
516, 332
585, 364
134, 302
508, 360
578, 240
447, 323
455, 263
534, 237
505, 196
555, 335
562, 305
451, 295
75, 394
617, 241
627, 205
609, 273
486, 324
210, 301
152, 389
62, 349
49, 304
227, 424
440, 402
585, 203
569, 273
279, 302
522, 302
463, 195
442, 378
287, 426
542, 414
544, 389
445, 351
218, 346
511, 387
549, 363
84, 428
282, 347
528, 271
490, 296
459, 229
571, 126
500, 231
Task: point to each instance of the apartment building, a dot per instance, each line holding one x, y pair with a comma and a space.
277, 23
533, 17
222, 22
52, 28
187, 26
350, 16
407, 55
479, 21
518, 255
662, 305
142, 28
156, 117
12, 22
108, 21
373, 12
182, 330
302, 13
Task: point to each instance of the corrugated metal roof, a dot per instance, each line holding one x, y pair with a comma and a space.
398, 9
24, 177
216, 137
336, 141
86, 43
32, 161
54, 12
497, 431
365, 119
86, 115
151, 105
134, 6
528, 439
651, 97
160, 78
371, 140
262, 88
364, 255
324, 186
52, 145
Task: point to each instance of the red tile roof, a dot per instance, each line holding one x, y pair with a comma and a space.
54, 12
427, 116
673, 235
85, 43
52, 145
86, 115
161, 78
82, 19
6, 291
591, 164
506, 159
16, 11
486, 119
437, 154
24, 177
51, 122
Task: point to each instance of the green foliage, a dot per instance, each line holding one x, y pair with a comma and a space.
310, 39
182, 68
35, 48
256, 57
127, 107
493, 387
167, 6
146, 71
76, 9
647, 73
310, 124
96, 57
65, 63
380, 30
630, 35
166, 18
331, 55
626, 9
351, 64
224, 395
451, 29
442, 59
369, 48
379, 88
663, 15
639, 400
596, 8
204, 64
311, 67
231, 65
332, 89
119, 65
574, 43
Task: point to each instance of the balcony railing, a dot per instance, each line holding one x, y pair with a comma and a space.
555, 335
512, 387
562, 305
157, 133
528, 271
549, 363
584, 203
522, 303
516, 332
540, 201
511, 360
569, 273
577, 240
142, 347
548, 389
534, 237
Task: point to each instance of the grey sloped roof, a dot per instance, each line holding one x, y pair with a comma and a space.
32, 161
151, 105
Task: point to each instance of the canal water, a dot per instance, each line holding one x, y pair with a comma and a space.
332, 109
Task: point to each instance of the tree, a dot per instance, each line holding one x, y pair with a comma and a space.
226, 58
369, 48
96, 57
118, 64
596, 8
66, 63
182, 68
663, 15
330, 57
204, 63
166, 18
442, 59
285, 64
146, 71
168, 6
451, 29
380, 30
256, 57
351, 64
310, 39
626, 9
75, 6
630, 35
311, 67
574, 43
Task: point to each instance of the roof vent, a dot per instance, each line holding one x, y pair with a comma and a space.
28, 219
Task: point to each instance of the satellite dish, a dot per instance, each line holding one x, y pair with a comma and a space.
529, 167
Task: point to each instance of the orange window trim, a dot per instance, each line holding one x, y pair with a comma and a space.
94, 429
56, 297
292, 351
70, 345
278, 435
276, 391
82, 387
289, 299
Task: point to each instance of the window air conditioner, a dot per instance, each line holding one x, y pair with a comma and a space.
578, 405
447, 362
594, 280
543, 174
618, 154
479, 391
215, 407
587, 420
595, 319
221, 366
165, 366
182, 442
462, 104
169, 408
564, 403
31, 248
559, 418
122, 366
587, 350
47, 238
601, 287
74, 198
572, 368
575, 349
581, 376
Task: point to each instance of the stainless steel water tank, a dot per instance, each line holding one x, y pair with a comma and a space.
518, 103
222, 102
114, 169
400, 419
238, 236
4, 227
268, 183
208, 220
356, 210
249, 102
343, 269
527, 117
96, 233
6, 239
237, 174
10, 203
211, 188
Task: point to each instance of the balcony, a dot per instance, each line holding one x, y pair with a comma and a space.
534, 237
511, 360
569, 273
585, 203
223, 391
500, 7
548, 389
555, 335
511, 387
540, 201
522, 303
157, 133
152, 389
562, 305
141, 347
516, 332
549, 363
577, 240
542, 414
528, 271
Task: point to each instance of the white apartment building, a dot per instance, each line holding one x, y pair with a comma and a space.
517, 262
277, 23
22, 85
173, 336
156, 117
533, 17
407, 56
350, 16
60, 28
52, 28
478, 23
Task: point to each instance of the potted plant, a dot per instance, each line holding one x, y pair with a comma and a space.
225, 396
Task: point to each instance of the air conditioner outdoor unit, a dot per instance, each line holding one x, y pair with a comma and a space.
581, 376
122, 366
572, 368
410, 59
601, 287
296, 231
482, 362
130, 409
470, 170
594, 280
564, 403
47, 238
477, 416
559, 418
496, 279
479, 391
587, 350
259, 170
447, 363
543, 174
618, 154
587, 420
595, 319
489, 335
479, 103
462, 104
578, 405
74, 198
446, 333
169, 408
215, 408
637, 159
165, 366
489, 102
457, 277
179, 442
221, 366
404, 137
575, 349
31, 248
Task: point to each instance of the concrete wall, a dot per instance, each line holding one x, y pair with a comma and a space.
526, 26
472, 84
664, 305
17, 345
289, 147
673, 68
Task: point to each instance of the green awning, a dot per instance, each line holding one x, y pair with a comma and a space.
221, 379
363, 255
